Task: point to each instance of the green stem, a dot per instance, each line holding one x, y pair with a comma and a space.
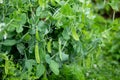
113, 15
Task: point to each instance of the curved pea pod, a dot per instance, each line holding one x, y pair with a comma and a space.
60, 51
37, 57
49, 46
6, 66
75, 35
37, 35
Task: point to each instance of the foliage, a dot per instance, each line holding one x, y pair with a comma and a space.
59, 39
69, 72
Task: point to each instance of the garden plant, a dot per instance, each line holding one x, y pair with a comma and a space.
59, 39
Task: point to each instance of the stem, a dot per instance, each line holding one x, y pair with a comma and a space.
60, 52
104, 2
26, 56
64, 45
9, 22
113, 15
53, 56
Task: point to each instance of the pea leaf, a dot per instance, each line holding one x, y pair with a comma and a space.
27, 37
66, 34
64, 56
47, 58
38, 11
49, 46
19, 29
42, 3
40, 70
115, 5
67, 10
29, 63
23, 18
12, 26
53, 2
54, 66
42, 27
21, 48
9, 42
3, 56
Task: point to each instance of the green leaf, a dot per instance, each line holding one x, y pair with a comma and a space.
115, 5
49, 46
40, 70
27, 37
31, 46
19, 29
29, 63
53, 2
66, 10
42, 3
21, 48
9, 42
42, 53
54, 66
3, 56
21, 19
38, 11
66, 34
64, 56
1, 35
47, 58
42, 27
12, 27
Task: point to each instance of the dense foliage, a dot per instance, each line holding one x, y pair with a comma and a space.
59, 39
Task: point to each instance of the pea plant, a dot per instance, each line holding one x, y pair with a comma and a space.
41, 37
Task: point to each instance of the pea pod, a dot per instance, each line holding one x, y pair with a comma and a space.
37, 57
49, 46
37, 35
60, 51
6, 66
75, 35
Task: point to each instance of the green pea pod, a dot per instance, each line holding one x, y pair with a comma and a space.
75, 35
6, 66
49, 46
37, 57
60, 51
37, 35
